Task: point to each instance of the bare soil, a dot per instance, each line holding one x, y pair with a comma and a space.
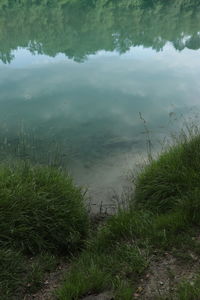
164, 274
50, 284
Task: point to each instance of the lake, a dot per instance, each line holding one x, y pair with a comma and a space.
84, 82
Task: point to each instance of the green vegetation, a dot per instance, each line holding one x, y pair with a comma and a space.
23, 275
120, 252
12, 267
172, 181
98, 270
42, 214
40, 209
189, 290
79, 28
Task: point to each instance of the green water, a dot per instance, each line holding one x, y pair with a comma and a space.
75, 74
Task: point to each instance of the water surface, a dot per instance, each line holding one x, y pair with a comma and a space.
75, 76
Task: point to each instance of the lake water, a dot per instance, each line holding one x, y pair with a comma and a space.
77, 78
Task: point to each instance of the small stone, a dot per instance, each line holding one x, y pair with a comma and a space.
139, 290
104, 296
136, 295
161, 283
193, 256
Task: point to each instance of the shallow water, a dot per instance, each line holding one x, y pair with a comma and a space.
75, 76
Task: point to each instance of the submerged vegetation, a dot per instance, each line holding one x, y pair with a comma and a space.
42, 214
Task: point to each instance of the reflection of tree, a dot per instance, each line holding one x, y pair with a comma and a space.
193, 42
79, 28
6, 57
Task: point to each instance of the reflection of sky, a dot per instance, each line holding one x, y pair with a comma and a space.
23, 58
93, 107
109, 83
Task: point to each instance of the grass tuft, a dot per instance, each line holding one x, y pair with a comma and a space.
189, 290
165, 184
12, 266
42, 216
40, 210
86, 277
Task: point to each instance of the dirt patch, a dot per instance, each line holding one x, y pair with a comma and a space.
51, 282
164, 274
161, 279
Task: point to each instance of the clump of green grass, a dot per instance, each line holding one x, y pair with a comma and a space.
42, 216
20, 275
165, 183
95, 272
36, 268
85, 277
189, 290
12, 266
123, 289
125, 226
40, 210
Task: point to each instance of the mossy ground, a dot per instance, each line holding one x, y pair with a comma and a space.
158, 234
